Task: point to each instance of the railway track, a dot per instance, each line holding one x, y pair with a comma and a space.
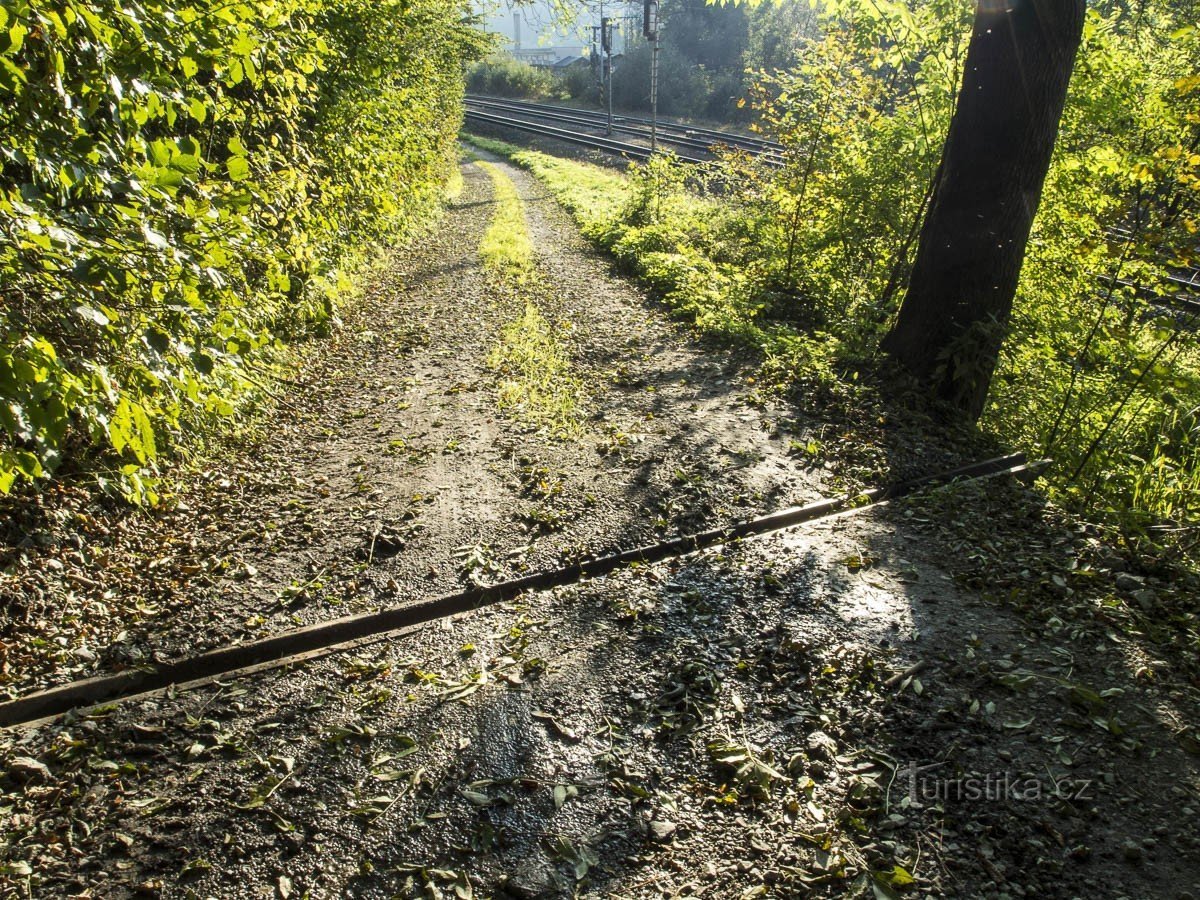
582, 139
712, 135
577, 126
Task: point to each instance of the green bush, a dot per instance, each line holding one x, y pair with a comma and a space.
579, 83
503, 76
180, 185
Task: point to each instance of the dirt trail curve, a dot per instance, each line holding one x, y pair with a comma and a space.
805, 714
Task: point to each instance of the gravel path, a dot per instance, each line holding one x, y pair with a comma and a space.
799, 715
388, 472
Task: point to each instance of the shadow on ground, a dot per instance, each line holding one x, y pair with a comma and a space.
818, 712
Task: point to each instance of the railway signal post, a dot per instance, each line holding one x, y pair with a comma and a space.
606, 44
650, 30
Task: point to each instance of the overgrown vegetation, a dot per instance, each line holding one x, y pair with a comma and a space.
184, 186
537, 384
808, 262
503, 76
592, 194
684, 246
505, 248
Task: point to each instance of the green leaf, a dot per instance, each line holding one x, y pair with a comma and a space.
94, 316
16, 39
186, 163
154, 238
238, 168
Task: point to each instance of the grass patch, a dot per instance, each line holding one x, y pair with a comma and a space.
454, 184
679, 245
536, 384
592, 194
505, 248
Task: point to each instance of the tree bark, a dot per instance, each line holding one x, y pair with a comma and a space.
952, 322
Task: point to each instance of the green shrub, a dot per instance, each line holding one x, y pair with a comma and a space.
579, 83
503, 76
180, 185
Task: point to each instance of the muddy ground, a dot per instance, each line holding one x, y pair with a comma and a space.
948, 697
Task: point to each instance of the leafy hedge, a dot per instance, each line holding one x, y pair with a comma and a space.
180, 182
503, 76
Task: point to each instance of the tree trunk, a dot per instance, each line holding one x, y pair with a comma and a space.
952, 322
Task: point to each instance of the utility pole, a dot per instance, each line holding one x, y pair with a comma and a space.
650, 30
606, 42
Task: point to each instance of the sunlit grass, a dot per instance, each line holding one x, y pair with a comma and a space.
536, 381
665, 235
505, 247
592, 194
537, 384
454, 184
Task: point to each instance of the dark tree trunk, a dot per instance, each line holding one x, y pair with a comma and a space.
960, 292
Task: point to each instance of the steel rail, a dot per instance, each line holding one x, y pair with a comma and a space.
352, 631
595, 142
633, 124
760, 145
498, 109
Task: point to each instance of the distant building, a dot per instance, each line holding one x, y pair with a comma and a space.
534, 32
543, 56
570, 62
535, 56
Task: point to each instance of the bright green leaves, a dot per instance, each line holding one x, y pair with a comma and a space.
14, 463
130, 428
36, 394
237, 165
184, 181
12, 39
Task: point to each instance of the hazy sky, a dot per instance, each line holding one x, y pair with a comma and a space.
540, 27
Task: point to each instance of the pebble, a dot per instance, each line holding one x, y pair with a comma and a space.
1132, 851
662, 831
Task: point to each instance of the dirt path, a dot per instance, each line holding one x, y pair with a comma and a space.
390, 474
736, 724
827, 711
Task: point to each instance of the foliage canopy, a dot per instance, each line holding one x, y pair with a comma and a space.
180, 185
